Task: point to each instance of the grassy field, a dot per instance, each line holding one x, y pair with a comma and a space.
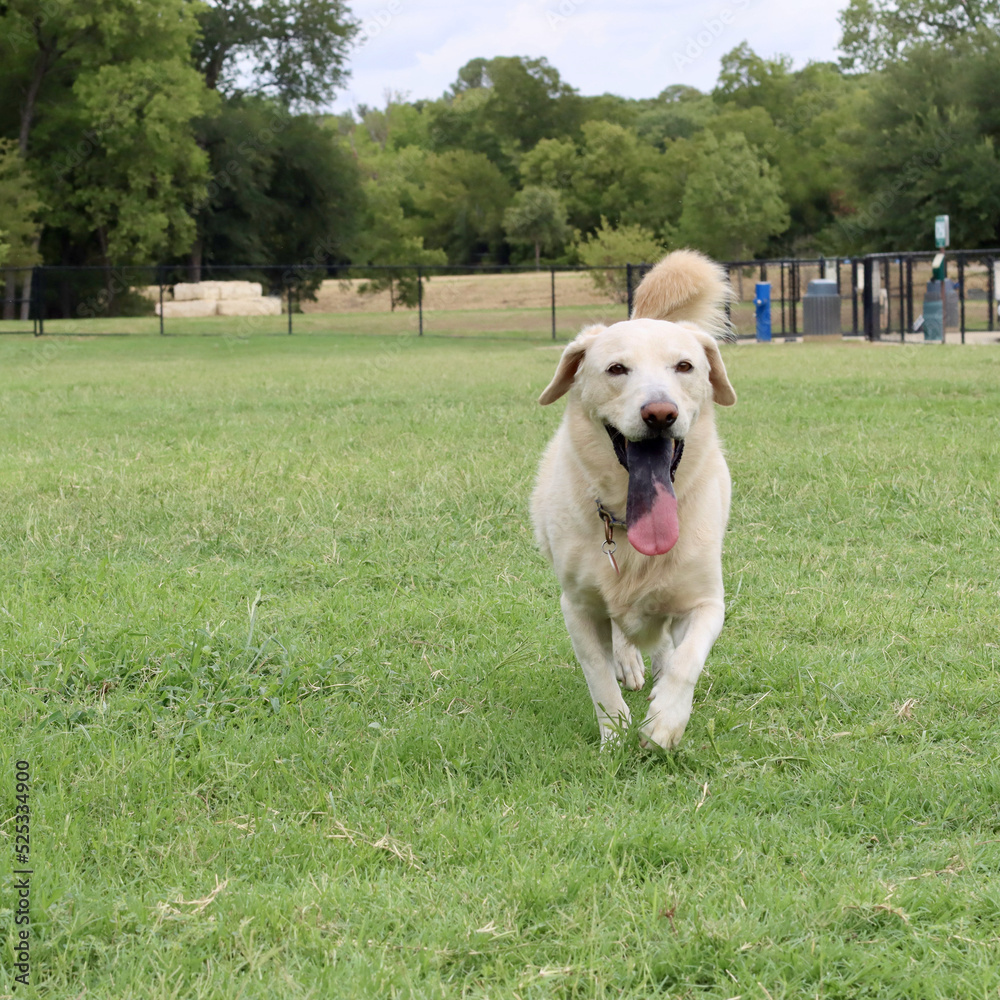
302, 717
527, 323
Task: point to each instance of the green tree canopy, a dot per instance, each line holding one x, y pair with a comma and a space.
291, 50
284, 189
878, 32
20, 207
732, 200
537, 217
461, 205
610, 248
101, 96
611, 172
927, 144
502, 107
136, 188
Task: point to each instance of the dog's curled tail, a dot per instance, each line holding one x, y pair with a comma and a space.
686, 286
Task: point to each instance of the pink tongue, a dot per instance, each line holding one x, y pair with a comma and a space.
652, 505
656, 531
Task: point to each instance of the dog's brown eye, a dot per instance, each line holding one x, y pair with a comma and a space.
617, 369
683, 366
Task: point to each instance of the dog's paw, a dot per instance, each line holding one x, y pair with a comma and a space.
667, 718
629, 668
614, 729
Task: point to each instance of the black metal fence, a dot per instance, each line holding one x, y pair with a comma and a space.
881, 297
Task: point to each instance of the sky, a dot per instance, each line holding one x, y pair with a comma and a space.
633, 48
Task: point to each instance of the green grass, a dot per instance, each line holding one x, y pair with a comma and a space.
303, 719
520, 323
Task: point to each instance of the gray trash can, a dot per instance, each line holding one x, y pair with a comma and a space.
932, 308
821, 308
933, 330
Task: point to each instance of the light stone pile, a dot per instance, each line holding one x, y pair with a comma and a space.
220, 298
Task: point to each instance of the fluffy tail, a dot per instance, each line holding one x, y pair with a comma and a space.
686, 286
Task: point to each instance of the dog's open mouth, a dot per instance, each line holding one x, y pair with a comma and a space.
651, 513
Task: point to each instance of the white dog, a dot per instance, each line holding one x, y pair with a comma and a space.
633, 493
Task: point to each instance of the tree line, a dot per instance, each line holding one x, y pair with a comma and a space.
193, 132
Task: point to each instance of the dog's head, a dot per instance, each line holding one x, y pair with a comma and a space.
645, 377
647, 381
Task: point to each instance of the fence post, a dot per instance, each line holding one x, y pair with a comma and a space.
888, 301
854, 296
628, 285
553, 275
991, 292
961, 297
41, 301
794, 282
33, 300
420, 301
781, 271
902, 303
866, 299
161, 304
909, 293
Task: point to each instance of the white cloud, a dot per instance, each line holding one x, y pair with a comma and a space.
634, 48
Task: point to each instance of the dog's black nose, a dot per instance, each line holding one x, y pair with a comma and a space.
658, 416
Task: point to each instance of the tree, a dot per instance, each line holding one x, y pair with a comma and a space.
395, 126
461, 205
537, 217
283, 190
502, 108
611, 173
20, 207
732, 201
390, 233
51, 45
389, 238
136, 189
608, 251
101, 95
926, 143
796, 121
527, 101
291, 50
749, 80
19, 227
679, 112
879, 32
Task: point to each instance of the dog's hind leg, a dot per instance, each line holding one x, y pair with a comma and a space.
629, 668
590, 634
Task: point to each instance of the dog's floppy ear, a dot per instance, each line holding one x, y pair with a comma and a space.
723, 392
568, 364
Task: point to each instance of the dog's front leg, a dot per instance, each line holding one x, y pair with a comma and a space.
629, 668
692, 636
590, 633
